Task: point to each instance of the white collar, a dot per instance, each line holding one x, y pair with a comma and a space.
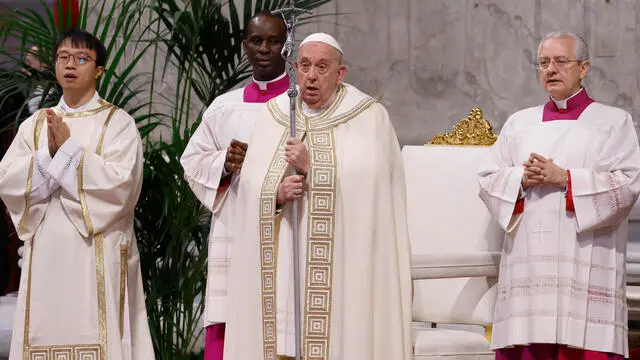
68, 110
562, 104
263, 84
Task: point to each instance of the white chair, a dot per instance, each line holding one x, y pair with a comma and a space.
7, 310
633, 264
455, 253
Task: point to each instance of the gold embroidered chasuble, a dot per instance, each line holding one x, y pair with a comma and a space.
354, 252
80, 294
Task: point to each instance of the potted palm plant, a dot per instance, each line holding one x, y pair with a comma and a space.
200, 42
203, 41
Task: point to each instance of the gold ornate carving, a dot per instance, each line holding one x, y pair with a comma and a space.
474, 130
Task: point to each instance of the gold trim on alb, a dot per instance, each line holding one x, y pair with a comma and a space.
24, 220
73, 352
123, 284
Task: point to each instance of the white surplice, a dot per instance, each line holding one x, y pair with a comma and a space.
354, 253
562, 274
227, 118
80, 291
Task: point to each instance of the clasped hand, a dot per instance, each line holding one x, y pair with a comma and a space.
57, 131
540, 171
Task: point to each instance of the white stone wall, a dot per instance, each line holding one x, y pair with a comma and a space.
431, 61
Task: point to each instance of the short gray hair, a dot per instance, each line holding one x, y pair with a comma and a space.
581, 47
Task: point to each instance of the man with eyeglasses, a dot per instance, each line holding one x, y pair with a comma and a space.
70, 180
561, 180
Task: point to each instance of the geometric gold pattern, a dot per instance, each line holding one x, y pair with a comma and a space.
322, 178
269, 247
62, 352
320, 235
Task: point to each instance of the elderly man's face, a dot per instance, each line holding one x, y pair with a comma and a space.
319, 73
560, 72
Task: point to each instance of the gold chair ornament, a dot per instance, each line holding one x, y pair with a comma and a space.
474, 130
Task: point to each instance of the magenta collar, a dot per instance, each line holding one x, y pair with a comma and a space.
575, 106
253, 94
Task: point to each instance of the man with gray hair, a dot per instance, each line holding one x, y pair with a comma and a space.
354, 248
561, 180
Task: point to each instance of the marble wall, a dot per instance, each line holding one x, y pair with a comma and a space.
431, 61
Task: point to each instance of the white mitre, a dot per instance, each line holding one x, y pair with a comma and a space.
323, 38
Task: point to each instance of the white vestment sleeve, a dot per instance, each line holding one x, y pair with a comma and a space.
62, 168
500, 181
203, 161
21, 177
603, 196
42, 184
108, 185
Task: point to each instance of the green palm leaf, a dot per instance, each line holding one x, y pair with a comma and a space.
111, 28
202, 39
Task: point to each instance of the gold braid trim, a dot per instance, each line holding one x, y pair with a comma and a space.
24, 220
123, 284
102, 302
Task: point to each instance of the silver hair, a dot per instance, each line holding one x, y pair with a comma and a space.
581, 47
